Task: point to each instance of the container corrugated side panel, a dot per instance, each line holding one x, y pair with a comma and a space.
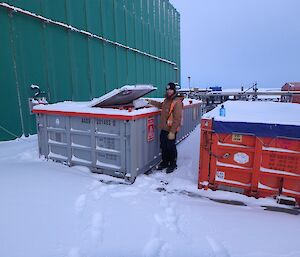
80, 133
57, 137
144, 151
42, 134
110, 146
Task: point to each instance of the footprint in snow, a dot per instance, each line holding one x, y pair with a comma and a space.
96, 227
94, 185
169, 218
74, 252
129, 192
217, 247
99, 192
164, 201
80, 203
155, 248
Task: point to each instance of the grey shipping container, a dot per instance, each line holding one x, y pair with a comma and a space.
122, 143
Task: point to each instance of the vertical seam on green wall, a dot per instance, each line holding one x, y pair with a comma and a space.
46, 61
134, 33
126, 40
116, 49
103, 48
88, 45
13, 50
143, 44
70, 50
46, 54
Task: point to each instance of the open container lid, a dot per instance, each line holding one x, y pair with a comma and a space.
122, 96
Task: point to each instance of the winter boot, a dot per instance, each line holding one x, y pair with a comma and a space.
171, 168
162, 166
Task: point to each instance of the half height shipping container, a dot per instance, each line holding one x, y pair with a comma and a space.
254, 149
116, 134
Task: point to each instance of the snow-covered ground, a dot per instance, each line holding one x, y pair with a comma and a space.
50, 210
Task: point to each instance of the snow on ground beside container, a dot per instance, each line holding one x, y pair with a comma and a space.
48, 209
258, 112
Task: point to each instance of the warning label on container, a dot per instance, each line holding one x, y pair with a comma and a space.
237, 138
150, 129
220, 175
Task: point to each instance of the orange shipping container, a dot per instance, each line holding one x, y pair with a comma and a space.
254, 149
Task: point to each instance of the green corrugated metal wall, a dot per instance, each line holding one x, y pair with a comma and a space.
72, 66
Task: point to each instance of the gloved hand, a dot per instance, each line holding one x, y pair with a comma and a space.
171, 136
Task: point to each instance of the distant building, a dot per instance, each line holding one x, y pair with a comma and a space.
292, 86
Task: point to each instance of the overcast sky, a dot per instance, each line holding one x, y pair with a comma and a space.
231, 43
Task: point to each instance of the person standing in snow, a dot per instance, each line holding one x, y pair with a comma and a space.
170, 121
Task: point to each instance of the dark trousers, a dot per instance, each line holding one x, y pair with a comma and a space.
168, 149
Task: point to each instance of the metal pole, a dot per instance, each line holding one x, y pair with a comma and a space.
189, 78
176, 75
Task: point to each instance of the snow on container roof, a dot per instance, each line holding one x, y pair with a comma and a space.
69, 108
267, 119
258, 112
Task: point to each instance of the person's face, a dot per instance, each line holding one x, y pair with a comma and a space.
170, 92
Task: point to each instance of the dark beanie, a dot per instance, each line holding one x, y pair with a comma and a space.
172, 86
